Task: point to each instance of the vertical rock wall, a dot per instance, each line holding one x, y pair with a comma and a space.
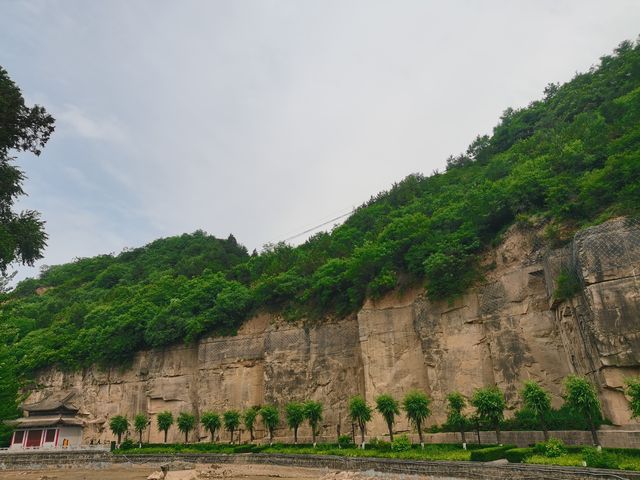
507, 330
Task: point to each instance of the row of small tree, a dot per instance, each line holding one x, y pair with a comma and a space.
489, 404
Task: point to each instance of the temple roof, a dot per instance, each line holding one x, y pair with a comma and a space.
44, 421
53, 404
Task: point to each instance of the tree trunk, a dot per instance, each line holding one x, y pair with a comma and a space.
140, 437
545, 430
498, 433
594, 433
186, 436
165, 436
251, 439
478, 433
462, 435
353, 432
295, 436
313, 435
362, 434
390, 426
213, 435
419, 426
270, 436
231, 441
119, 438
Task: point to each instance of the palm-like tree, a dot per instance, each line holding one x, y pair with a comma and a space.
360, 413
249, 417
186, 422
271, 419
313, 414
538, 400
581, 397
294, 414
165, 420
388, 407
119, 425
231, 421
455, 416
490, 404
416, 404
211, 421
140, 422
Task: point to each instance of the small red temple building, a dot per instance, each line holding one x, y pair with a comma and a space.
50, 423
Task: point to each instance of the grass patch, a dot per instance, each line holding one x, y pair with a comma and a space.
568, 460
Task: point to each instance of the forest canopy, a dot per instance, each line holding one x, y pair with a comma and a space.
570, 159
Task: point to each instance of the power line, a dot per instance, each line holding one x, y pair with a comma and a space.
309, 230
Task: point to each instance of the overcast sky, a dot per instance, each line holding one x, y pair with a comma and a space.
264, 118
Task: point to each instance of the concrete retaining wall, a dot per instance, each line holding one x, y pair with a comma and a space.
608, 438
461, 470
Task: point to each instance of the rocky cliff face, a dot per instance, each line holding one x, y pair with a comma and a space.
507, 330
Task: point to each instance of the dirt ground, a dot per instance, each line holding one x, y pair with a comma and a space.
201, 472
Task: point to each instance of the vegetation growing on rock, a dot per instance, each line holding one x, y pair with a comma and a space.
570, 159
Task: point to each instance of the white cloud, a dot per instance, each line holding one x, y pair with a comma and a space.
74, 120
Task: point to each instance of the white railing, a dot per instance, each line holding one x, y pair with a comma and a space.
60, 449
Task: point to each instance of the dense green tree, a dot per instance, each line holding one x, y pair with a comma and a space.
581, 397
165, 420
360, 413
22, 129
633, 392
388, 407
489, 403
538, 401
211, 421
313, 414
231, 420
186, 422
294, 415
270, 419
417, 406
140, 422
249, 418
119, 425
455, 413
9, 388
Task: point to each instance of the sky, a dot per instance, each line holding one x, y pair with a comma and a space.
266, 118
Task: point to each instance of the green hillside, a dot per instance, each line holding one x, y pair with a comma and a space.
571, 159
